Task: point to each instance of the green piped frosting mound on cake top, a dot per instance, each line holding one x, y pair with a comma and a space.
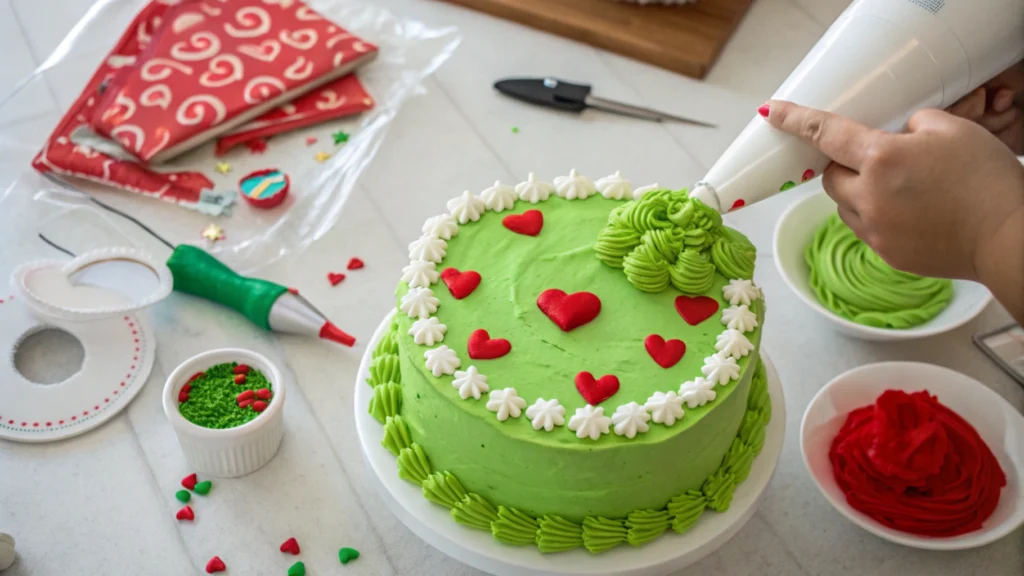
552, 533
666, 237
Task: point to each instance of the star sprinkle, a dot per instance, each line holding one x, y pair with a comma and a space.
340, 137
321, 157
222, 167
257, 146
213, 233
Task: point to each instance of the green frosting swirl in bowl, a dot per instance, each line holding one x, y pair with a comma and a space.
855, 283
667, 237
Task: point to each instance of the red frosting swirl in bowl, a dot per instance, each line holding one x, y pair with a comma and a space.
914, 465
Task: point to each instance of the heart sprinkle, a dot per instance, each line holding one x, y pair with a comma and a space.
291, 546
240, 378
483, 347
460, 284
183, 395
263, 394
185, 513
569, 311
195, 377
696, 309
241, 369
347, 555
310, 140
189, 482
665, 353
183, 496
245, 403
335, 278
528, 223
259, 405
297, 569
355, 264
246, 395
203, 488
596, 391
215, 565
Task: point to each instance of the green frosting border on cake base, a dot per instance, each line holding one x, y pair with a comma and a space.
552, 533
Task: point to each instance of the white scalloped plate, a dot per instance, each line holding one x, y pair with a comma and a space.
669, 553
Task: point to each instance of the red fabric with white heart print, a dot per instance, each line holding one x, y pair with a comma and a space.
338, 99
215, 65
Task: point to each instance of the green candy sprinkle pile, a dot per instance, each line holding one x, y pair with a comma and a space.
346, 555
212, 400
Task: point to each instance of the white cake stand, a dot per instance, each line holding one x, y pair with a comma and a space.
669, 553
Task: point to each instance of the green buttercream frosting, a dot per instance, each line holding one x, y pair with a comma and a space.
739, 459
396, 435
513, 527
718, 489
385, 368
386, 401
600, 534
855, 283
556, 534
665, 236
646, 525
475, 512
413, 464
212, 401
444, 489
686, 509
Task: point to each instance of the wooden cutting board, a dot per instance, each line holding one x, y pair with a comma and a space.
684, 39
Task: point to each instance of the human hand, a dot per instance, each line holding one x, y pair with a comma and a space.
941, 200
999, 107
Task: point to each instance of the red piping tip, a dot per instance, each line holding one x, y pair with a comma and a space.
331, 332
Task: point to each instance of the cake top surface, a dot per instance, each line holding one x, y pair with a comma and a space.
641, 359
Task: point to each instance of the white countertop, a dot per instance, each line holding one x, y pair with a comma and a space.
103, 503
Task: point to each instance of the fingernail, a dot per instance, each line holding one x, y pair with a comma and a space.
1002, 101
763, 110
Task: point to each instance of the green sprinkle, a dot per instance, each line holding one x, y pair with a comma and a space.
212, 400
347, 555
203, 487
515, 130
789, 184
183, 496
297, 569
340, 137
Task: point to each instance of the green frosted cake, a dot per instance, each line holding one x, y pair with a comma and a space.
575, 371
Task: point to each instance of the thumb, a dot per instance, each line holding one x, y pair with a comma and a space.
841, 139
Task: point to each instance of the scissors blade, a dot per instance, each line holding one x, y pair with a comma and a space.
639, 111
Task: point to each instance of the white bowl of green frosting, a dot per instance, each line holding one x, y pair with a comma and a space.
860, 295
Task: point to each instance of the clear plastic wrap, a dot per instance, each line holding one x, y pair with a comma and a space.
408, 52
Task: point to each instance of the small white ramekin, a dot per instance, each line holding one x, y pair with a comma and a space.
230, 452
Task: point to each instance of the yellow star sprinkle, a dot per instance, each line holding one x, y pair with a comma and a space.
223, 167
213, 233
321, 157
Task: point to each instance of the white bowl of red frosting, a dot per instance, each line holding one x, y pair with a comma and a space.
917, 454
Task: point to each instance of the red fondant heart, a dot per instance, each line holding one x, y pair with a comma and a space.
483, 347
189, 482
290, 546
665, 353
696, 309
355, 264
528, 223
215, 565
596, 391
569, 311
185, 513
335, 278
460, 284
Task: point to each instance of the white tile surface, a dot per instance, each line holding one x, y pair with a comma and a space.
103, 503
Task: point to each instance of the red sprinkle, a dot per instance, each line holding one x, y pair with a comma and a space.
182, 395
239, 378
808, 174
263, 394
259, 406
247, 395
257, 146
355, 264
186, 388
241, 369
185, 513
245, 403
195, 376
290, 546
335, 278
215, 565
189, 482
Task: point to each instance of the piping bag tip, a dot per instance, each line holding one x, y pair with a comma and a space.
331, 332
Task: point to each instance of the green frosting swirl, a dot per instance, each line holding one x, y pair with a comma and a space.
739, 459
751, 430
692, 273
665, 236
443, 488
686, 509
855, 283
646, 525
385, 368
396, 435
386, 401
600, 534
413, 464
513, 527
475, 512
556, 534
718, 489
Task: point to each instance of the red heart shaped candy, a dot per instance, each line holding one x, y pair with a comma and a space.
185, 513
335, 278
460, 284
355, 264
696, 309
189, 482
528, 223
595, 391
569, 311
290, 546
665, 353
483, 347
215, 565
